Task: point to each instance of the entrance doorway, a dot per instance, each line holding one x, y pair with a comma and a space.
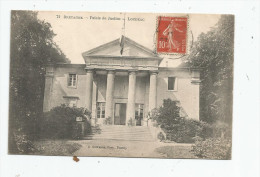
139, 114
120, 114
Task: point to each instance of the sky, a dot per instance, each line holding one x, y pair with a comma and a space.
77, 32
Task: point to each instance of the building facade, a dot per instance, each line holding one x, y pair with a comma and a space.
121, 87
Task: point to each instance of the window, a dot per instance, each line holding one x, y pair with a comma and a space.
101, 110
72, 80
139, 111
71, 101
172, 84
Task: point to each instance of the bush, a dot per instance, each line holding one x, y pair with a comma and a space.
131, 122
179, 129
59, 123
168, 113
160, 136
108, 121
154, 114
213, 148
22, 144
187, 130
216, 147
222, 129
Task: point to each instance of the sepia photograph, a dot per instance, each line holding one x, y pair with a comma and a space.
111, 84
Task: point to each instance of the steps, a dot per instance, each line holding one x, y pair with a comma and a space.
120, 132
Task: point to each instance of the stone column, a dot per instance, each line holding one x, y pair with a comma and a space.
89, 88
153, 90
94, 103
110, 94
48, 88
131, 97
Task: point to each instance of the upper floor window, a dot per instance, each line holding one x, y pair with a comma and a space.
172, 83
72, 80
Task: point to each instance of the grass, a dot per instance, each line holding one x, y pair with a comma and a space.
176, 152
56, 147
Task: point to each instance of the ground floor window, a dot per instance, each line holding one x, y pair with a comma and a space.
101, 110
71, 101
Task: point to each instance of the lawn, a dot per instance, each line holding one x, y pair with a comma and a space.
176, 152
56, 147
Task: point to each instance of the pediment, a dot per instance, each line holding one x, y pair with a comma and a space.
112, 49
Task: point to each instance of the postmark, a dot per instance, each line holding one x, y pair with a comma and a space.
171, 35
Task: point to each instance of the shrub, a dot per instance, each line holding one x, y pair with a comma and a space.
108, 121
161, 136
213, 148
179, 129
187, 130
222, 129
22, 144
154, 114
77, 131
168, 114
60, 122
130, 122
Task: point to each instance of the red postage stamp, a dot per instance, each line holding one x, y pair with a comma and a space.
172, 35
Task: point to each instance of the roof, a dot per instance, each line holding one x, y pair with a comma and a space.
112, 49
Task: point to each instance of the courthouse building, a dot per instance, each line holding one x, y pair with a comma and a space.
122, 87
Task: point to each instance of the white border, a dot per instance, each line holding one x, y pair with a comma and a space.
245, 159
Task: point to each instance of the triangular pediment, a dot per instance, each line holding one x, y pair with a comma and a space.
113, 48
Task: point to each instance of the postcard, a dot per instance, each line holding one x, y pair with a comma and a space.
110, 84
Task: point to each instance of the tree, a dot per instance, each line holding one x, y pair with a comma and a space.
214, 53
32, 47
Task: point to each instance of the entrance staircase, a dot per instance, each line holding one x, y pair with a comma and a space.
120, 132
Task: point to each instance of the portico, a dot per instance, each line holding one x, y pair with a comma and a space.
144, 79
138, 67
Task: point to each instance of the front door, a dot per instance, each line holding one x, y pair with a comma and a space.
120, 114
139, 114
